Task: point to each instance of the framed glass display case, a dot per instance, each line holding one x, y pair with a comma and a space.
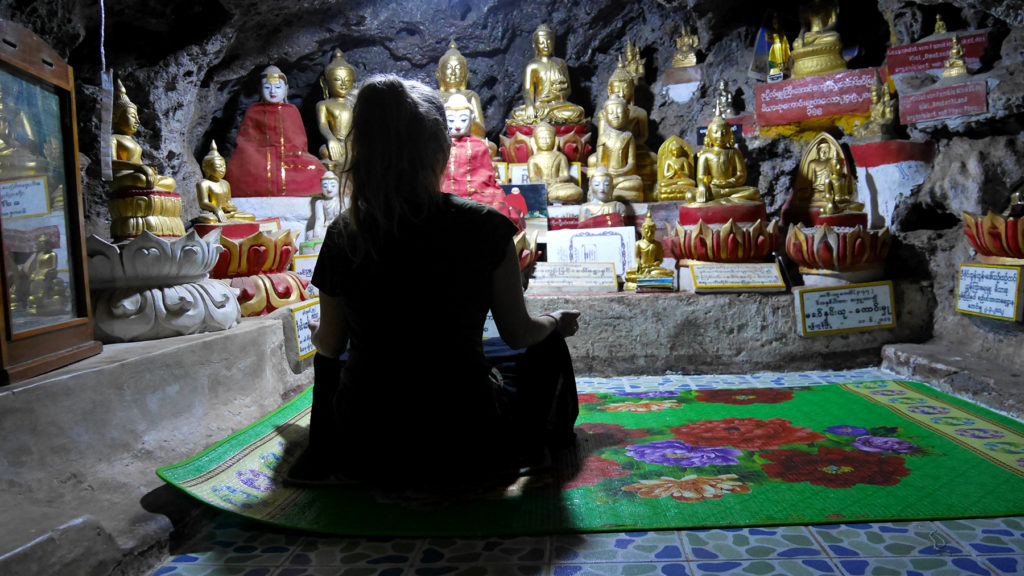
47, 318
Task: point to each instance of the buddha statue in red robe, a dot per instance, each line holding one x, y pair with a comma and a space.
271, 156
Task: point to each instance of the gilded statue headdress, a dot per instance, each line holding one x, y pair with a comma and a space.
121, 101
273, 74
621, 74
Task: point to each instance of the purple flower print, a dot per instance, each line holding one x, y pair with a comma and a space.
653, 394
883, 444
981, 433
255, 479
928, 410
846, 430
676, 453
888, 393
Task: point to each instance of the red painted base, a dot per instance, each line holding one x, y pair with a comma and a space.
232, 230
721, 213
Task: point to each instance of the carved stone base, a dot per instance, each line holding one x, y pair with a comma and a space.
136, 314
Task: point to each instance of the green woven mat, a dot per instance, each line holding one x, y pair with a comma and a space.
871, 451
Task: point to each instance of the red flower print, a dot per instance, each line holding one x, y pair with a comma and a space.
745, 433
835, 467
611, 434
593, 470
745, 396
587, 398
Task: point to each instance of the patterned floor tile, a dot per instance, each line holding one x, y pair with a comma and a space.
880, 540
987, 536
524, 550
1005, 564
751, 543
617, 547
481, 570
342, 571
806, 567
916, 566
635, 569
212, 570
370, 552
253, 549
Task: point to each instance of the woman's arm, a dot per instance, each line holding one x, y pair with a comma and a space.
515, 325
330, 335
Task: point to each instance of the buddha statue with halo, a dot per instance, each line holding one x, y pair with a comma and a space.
271, 157
546, 86
214, 192
824, 182
649, 256
602, 210
818, 49
551, 167
334, 112
675, 170
616, 151
720, 168
126, 161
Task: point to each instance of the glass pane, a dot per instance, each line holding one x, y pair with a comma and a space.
33, 187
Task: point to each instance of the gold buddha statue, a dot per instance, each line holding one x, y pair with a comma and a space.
19, 152
546, 86
675, 170
126, 162
214, 192
940, 25
35, 287
334, 112
883, 112
686, 49
616, 151
723, 101
649, 256
955, 64
453, 78
824, 179
601, 210
720, 168
551, 167
634, 63
622, 84
778, 52
818, 49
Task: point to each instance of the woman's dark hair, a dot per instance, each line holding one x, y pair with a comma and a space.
400, 146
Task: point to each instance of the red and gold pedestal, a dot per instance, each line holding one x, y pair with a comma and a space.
725, 233
135, 211
996, 239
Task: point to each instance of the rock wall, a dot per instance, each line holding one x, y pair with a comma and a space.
192, 68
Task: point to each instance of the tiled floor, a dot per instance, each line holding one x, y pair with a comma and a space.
229, 545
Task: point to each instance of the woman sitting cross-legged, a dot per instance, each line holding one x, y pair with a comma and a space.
406, 277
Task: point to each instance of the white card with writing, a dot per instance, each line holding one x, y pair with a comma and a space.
989, 290
303, 265
754, 277
846, 308
24, 198
616, 245
301, 315
574, 277
518, 174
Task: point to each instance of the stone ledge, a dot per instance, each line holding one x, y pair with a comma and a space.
983, 381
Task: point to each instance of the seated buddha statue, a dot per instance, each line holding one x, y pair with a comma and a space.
818, 49
469, 172
623, 84
955, 64
720, 168
334, 112
270, 157
551, 167
602, 210
126, 153
616, 151
723, 99
19, 151
214, 192
824, 181
675, 170
453, 78
326, 208
649, 256
47, 292
883, 112
686, 49
546, 86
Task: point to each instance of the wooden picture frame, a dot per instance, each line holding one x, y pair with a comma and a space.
47, 314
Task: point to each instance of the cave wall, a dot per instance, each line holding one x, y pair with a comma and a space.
192, 68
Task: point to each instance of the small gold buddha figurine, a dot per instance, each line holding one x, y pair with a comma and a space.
649, 256
453, 78
724, 99
19, 151
675, 170
334, 112
616, 151
955, 64
634, 63
326, 208
35, 286
824, 178
778, 52
686, 49
551, 167
602, 210
126, 162
818, 49
721, 169
940, 25
546, 86
883, 112
214, 192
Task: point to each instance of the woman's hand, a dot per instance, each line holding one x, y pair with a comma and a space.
566, 321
